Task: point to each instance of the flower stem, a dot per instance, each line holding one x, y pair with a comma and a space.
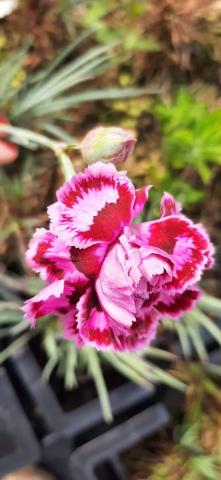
28, 138
24, 136
66, 165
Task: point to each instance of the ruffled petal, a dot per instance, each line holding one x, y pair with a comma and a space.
49, 256
143, 331
100, 331
169, 206
58, 298
115, 288
141, 198
186, 243
45, 302
210, 249
93, 322
70, 326
174, 305
89, 260
93, 206
156, 266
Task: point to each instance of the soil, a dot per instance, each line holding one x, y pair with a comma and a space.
39, 22
139, 460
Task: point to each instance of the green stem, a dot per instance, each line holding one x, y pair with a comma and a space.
27, 137
67, 167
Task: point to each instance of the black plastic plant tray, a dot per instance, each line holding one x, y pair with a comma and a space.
18, 445
81, 418
64, 431
215, 356
100, 458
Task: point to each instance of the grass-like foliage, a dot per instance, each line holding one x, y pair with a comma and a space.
42, 96
198, 327
191, 451
140, 368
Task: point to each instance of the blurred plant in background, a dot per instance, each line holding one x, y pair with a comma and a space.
43, 95
121, 23
191, 135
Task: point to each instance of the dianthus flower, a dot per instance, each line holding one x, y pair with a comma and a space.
8, 151
111, 281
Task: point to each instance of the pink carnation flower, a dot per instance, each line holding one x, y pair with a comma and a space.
111, 281
8, 151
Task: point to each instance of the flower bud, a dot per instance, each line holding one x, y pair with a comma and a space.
107, 144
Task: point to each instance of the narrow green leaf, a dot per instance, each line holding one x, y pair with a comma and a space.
158, 353
70, 75
86, 59
8, 70
71, 362
142, 367
208, 324
10, 316
71, 80
210, 304
213, 369
5, 306
124, 369
20, 327
14, 347
57, 132
97, 374
168, 379
49, 367
69, 101
50, 344
197, 342
62, 55
183, 338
